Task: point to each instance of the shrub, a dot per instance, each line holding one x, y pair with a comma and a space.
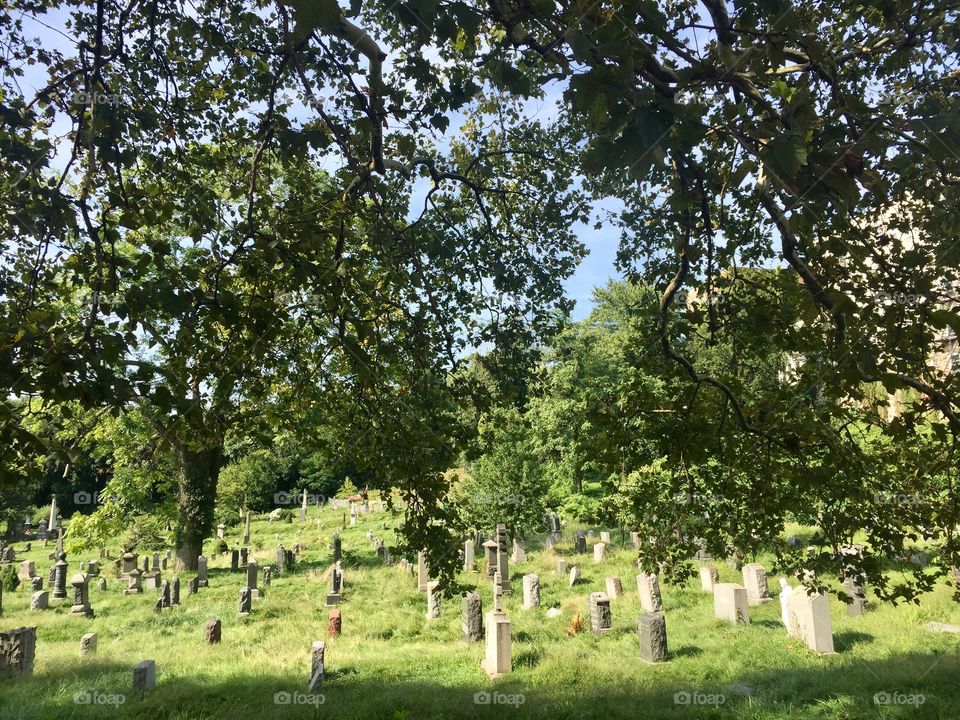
9, 578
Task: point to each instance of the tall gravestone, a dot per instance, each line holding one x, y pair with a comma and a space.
433, 600
648, 589
468, 558
652, 632
490, 558
503, 561
498, 654
175, 591
201, 572
315, 683
708, 578
531, 591
244, 602
580, 544
60, 578
423, 575
246, 530
234, 560
809, 620
337, 548
614, 587
471, 617
252, 569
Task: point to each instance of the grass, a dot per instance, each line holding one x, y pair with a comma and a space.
391, 662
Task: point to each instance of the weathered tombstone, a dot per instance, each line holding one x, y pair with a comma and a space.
151, 580
40, 600
433, 600
193, 586
221, 531
158, 606
60, 578
605, 537
702, 552
561, 566
334, 624
212, 631
601, 619
519, 554
281, 562
175, 591
165, 594
497, 659
133, 583
81, 596
333, 597
244, 556
129, 563
471, 617
652, 632
468, 559
28, 570
755, 581
18, 649
201, 572
303, 506
252, 569
635, 540
244, 602
88, 644
267, 571
708, 578
580, 543
146, 566
614, 587
52, 577
490, 558
246, 530
423, 575
809, 616
234, 560
145, 676
155, 567
574, 575
37, 583
648, 588
730, 603
599, 552
856, 589
315, 683
531, 591
337, 548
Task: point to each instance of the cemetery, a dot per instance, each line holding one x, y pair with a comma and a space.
362, 634
442, 359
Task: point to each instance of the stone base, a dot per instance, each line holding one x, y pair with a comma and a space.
82, 610
202, 583
131, 591
254, 594
243, 616
491, 675
333, 599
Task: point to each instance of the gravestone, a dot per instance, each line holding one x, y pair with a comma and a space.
580, 544
730, 603
102, 584
175, 591
303, 506
605, 537
193, 586
145, 676
337, 547
146, 566
433, 600
702, 552
519, 552
151, 581
281, 560
234, 560
18, 649
266, 576
648, 589
423, 575
708, 578
635, 540
252, 569
81, 596
503, 560
333, 597
334, 624
155, 567
88, 644
809, 620
614, 587
221, 531
601, 619
158, 606
212, 631
60, 578
468, 559
201, 572
315, 683
129, 563
755, 581
244, 556
490, 558
28, 570
856, 589
93, 568
574, 575
165, 594
531, 591
599, 552
133, 583
471, 617
246, 530
244, 602
497, 658
37, 583
40, 600
52, 577
561, 567
652, 632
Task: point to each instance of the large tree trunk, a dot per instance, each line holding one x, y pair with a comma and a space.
200, 469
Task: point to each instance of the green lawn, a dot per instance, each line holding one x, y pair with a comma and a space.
391, 662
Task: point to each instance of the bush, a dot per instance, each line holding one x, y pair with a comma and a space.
221, 546
9, 578
146, 533
248, 483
